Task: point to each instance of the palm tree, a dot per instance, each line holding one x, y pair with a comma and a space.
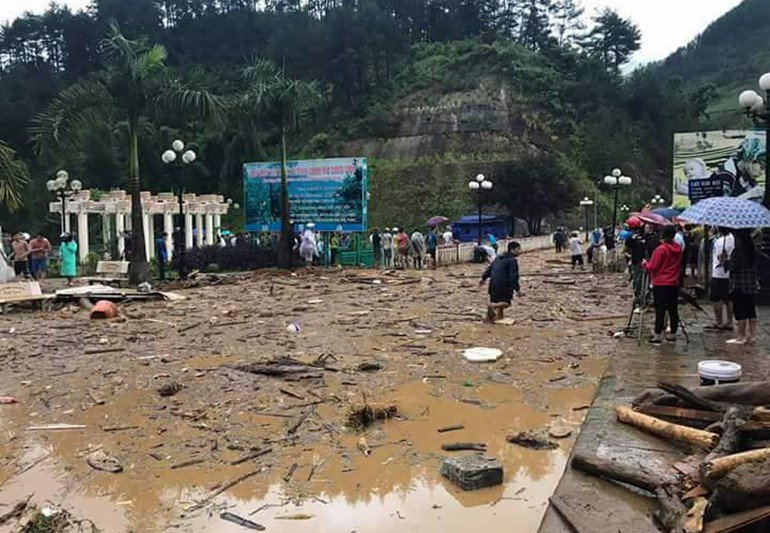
134, 84
13, 178
280, 100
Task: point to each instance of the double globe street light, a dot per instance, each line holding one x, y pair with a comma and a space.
757, 109
616, 181
657, 201
480, 184
176, 154
63, 188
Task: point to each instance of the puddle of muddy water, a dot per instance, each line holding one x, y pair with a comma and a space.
396, 486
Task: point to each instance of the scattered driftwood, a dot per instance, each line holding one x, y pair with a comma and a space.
695, 437
279, 367
251, 456
224, 488
618, 471
243, 522
532, 439
294, 426
362, 416
290, 473
184, 464
459, 446
713, 471
446, 429
16, 512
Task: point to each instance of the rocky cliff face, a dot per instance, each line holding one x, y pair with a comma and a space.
483, 123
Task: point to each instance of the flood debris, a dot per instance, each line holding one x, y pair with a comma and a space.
459, 446
728, 478
99, 460
243, 522
534, 439
362, 416
169, 389
16, 512
472, 472
363, 447
446, 429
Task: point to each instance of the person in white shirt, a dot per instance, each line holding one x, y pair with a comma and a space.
386, 242
719, 289
576, 250
447, 236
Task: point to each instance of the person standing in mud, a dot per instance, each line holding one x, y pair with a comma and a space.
503, 276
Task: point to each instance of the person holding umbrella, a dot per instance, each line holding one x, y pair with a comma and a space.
743, 287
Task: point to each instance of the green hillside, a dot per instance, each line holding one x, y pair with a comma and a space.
731, 53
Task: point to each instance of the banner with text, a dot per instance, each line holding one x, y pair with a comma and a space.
717, 163
331, 193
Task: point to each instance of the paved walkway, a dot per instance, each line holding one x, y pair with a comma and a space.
605, 506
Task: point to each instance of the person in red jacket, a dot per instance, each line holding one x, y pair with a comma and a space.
664, 267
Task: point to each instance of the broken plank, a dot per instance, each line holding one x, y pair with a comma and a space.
680, 413
191, 462
251, 456
737, 521
446, 429
93, 351
293, 394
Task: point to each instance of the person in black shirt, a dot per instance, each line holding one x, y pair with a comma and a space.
503, 276
377, 247
636, 249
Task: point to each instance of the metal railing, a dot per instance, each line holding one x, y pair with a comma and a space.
463, 252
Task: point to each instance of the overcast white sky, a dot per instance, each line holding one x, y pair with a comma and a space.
666, 24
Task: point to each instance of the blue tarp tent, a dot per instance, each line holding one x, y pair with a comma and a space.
467, 228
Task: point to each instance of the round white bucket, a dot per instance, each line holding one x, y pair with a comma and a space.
717, 372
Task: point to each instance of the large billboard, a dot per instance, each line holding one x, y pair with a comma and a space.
717, 163
331, 193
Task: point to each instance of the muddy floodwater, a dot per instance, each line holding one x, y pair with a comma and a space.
280, 450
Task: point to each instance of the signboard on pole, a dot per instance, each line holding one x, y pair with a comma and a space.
717, 163
331, 193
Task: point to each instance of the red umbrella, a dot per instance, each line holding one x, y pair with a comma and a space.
649, 217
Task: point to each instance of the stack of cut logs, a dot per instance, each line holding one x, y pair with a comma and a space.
728, 489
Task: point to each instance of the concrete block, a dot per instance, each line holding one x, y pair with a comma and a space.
472, 472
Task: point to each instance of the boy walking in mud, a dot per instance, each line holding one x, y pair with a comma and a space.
503, 276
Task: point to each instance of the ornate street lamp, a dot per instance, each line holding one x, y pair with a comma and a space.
480, 184
758, 109
657, 201
176, 154
63, 188
586, 203
616, 181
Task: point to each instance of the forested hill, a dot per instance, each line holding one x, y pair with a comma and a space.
434, 91
731, 54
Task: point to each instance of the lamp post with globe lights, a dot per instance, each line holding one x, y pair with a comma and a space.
586, 203
657, 201
757, 109
480, 184
63, 188
178, 154
616, 180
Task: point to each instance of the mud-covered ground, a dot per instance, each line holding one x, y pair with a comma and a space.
179, 452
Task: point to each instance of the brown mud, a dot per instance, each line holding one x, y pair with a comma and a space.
177, 451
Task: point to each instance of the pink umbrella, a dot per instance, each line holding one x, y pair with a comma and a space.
648, 217
436, 221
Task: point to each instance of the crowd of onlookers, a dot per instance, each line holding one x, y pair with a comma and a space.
719, 261
29, 257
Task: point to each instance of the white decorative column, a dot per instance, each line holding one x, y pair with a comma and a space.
168, 229
128, 222
147, 235
209, 229
82, 236
218, 223
106, 232
67, 224
188, 230
151, 238
119, 231
199, 230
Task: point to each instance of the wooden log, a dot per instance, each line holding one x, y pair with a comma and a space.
695, 437
729, 442
713, 471
671, 513
737, 521
691, 398
617, 471
680, 415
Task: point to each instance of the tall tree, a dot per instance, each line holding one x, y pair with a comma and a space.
134, 84
613, 39
567, 16
13, 178
280, 100
534, 28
